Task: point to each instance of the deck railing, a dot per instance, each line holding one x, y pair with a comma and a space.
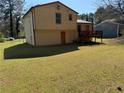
91, 34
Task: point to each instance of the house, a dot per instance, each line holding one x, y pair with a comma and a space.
84, 26
109, 28
50, 24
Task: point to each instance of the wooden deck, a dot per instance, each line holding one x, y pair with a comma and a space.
89, 35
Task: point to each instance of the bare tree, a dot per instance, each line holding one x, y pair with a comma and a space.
116, 5
9, 11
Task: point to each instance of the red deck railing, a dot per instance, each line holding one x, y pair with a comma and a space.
91, 34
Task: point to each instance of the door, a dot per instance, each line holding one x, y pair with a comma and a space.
63, 37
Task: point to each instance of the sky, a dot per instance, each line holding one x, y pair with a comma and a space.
81, 6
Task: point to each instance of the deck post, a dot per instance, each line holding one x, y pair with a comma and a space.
101, 39
95, 38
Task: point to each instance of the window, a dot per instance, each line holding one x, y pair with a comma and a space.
58, 7
58, 18
70, 17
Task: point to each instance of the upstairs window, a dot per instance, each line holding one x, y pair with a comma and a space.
58, 18
70, 17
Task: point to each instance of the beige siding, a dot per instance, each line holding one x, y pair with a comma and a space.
53, 37
83, 27
45, 17
28, 28
47, 38
47, 31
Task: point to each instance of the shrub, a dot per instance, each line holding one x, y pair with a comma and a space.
122, 32
1, 38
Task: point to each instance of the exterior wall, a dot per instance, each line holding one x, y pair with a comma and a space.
49, 37
83, 27
46, 29
28, 28
109, 30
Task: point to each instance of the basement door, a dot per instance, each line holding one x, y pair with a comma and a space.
63, 37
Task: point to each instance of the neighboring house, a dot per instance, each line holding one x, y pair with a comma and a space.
110, 29
84, 26
50, 24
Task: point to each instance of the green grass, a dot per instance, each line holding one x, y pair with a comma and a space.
61, 69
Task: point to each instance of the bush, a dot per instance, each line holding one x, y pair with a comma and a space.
122, 32
1, 38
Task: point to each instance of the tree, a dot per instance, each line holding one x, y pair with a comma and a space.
11, 10
84, 16
87, 17
117, 6
104, 13
91, 18
99, 14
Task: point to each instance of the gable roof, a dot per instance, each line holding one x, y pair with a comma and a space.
48, 4
108, 21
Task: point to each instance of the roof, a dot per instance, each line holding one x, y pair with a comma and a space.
83, 21
48, 4
108, 21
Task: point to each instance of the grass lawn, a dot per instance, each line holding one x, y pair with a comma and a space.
61, 69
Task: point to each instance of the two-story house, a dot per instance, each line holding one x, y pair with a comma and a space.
50, 24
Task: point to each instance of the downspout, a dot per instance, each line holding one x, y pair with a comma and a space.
33, 25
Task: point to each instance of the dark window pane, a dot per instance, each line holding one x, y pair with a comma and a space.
70, 17
58, 18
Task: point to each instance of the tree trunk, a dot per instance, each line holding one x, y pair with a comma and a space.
11, 25
11, 19
17, 26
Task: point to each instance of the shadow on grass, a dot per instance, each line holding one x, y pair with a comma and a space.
27, 51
